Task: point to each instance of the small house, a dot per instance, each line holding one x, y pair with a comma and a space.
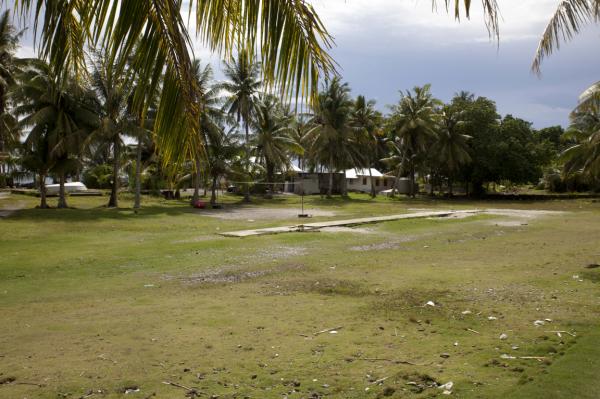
359, 180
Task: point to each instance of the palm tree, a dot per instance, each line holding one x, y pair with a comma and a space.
413, 126
450, 149
288, 35
9, 41
332, 140
273, 142
368, 122
210, 114
59, 120
300, 127
584, 157
113, 90
221, 152
242, 88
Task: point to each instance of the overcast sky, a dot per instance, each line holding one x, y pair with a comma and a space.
383, 46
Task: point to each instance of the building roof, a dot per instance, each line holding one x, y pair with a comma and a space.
356, 172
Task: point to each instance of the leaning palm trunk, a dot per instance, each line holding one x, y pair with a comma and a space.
42, 179
196, 195
62, 198
270, 178
373, 193
213, 195
450, 192
138, 174
330, 186
412, 179
247, 188
113, 202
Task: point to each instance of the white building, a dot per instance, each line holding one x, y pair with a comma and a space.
360, 180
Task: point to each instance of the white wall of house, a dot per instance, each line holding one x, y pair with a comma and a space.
363, 183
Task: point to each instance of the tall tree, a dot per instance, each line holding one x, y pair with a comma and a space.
208, 101
221, 153
413, 125
332, 142
242, 88
273, 143
584, 156
450, 149
9, 42
59, 119
368, 122
288, 35
113, 89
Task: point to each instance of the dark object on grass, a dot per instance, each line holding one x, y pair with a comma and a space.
199, 204
592, 266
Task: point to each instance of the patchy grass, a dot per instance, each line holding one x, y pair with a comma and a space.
108, 301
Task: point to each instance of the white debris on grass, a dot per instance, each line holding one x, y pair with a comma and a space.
503, 336
430, 303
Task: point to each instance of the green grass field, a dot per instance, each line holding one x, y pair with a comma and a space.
97, 302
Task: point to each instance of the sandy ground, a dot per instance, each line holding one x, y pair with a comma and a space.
6, 211
260, 213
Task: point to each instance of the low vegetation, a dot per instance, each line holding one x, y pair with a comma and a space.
100, 302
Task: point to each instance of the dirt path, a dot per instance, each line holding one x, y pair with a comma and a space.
261, 213
7, 210
343, 223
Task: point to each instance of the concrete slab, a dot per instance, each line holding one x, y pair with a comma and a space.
347, 222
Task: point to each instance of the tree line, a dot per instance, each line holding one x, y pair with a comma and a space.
77, 128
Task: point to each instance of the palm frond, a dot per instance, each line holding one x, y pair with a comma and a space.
567, 21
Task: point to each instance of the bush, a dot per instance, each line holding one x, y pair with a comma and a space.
99, 176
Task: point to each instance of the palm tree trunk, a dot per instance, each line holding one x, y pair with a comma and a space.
270, 178
196, 195
431, 181
62, 198
247, 188
373, 193
412, 179
330, 186
450, 192
213, 195
138, 174
344, 185
113, 202
42, 180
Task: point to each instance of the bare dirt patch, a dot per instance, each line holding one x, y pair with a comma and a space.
393, 244
260, 213
229, 275
343, 229
322, 286
522, 213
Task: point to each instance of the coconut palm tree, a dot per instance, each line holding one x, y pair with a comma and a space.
584, 157
450, 149
221, 152
211, 114
113, 90
9, 42
273, 143
368, 122
413, 125
300, 127
59, 119
242, 88
288, 36
332, 139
